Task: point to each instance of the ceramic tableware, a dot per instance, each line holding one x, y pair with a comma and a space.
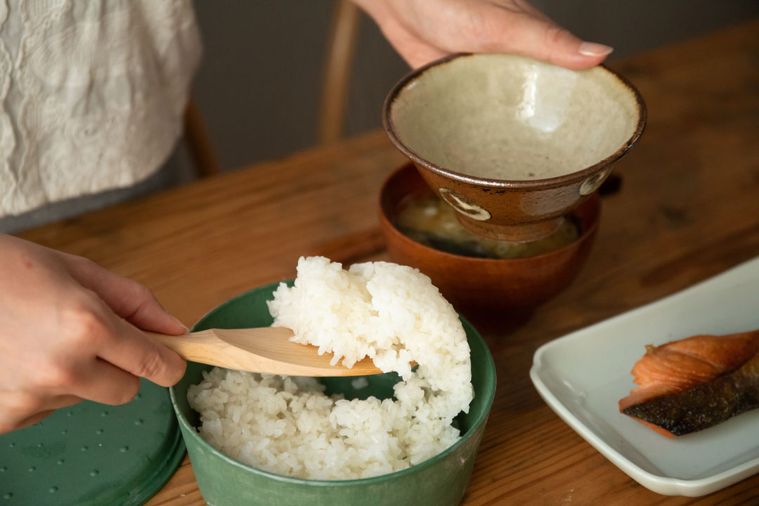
583, 375
440, 480
485, 285
511, 143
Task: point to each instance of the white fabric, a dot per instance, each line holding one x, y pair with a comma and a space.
92, 94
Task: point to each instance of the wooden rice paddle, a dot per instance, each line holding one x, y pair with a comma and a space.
263, 350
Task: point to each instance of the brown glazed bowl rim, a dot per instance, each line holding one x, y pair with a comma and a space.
535, 184
387, 223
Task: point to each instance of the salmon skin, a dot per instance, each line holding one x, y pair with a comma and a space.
689, 385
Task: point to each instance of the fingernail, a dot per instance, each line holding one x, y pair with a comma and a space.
594, 49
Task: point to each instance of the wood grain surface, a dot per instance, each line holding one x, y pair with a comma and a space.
266, 350
688, 209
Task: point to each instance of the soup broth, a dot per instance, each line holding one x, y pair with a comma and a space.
430, 221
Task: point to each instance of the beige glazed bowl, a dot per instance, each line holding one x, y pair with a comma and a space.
511, 143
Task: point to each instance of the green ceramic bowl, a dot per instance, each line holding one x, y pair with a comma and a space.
439, 481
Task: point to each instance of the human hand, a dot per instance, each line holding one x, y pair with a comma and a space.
69, 331
425, 30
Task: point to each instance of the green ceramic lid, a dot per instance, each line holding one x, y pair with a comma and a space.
93, 454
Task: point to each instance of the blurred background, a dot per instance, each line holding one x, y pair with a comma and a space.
259, 88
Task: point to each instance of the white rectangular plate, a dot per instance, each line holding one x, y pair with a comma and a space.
582, 376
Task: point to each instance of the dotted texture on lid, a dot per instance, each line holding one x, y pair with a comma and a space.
93, 454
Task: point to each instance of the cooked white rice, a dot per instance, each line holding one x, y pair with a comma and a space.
287, 425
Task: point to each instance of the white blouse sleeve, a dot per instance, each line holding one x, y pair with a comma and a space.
91, 94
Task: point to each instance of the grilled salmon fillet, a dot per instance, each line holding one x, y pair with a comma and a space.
688, 385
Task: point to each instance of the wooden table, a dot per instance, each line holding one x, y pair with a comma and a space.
688, 209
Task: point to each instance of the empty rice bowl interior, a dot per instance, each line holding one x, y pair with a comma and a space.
433, 458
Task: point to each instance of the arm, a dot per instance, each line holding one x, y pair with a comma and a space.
424, 30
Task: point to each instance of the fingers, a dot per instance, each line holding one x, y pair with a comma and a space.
90, 330
414, 50
540, 38
127, 298
34, 419
140, 356
63, 335
525, 6
62, 401
105, 383
54, 403
20, 409
419, 54
422, 31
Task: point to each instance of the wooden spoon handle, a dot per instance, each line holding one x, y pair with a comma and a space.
202, 346
264, 350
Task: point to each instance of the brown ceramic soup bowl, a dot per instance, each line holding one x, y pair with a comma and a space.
493, 287
510, 143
